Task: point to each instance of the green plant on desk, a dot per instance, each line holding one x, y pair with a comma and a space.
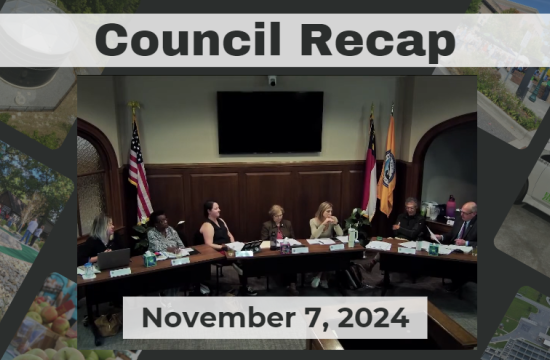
359, 220
142, 241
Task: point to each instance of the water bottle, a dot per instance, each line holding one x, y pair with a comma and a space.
89, 270
285, 247
451, 206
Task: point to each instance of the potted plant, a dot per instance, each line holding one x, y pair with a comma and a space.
359, 220
142, 241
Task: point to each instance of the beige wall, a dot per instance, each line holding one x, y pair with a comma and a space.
96, 105
437, 99
450, 166
178, 119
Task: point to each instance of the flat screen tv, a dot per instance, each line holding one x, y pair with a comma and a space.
270, 122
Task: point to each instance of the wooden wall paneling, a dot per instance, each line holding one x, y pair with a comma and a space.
314, 188
355, 191
246, 192
263, 190
166, 193
222, 188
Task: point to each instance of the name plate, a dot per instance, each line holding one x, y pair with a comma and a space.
300, 250
450, 222
120, 272
337, 247
403, 250
244, 253
181, 261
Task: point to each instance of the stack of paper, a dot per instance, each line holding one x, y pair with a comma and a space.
235, 246
378, 245
465, 249
409, 244
444, 250
290, 241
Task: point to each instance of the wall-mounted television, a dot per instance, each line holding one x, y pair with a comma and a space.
270, 122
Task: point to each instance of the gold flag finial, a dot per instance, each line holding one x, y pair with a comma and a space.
134, 105
372, 109
392, 105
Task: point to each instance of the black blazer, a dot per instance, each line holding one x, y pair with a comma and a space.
269, 227
470, 233
94, 246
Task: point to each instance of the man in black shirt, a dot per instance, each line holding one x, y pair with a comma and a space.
409, 224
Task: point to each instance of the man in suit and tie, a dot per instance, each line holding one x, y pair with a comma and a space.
463, 233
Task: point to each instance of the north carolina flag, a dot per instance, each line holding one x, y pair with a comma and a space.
386, 183
370, 187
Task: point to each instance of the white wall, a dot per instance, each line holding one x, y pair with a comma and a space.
437, 99
178, 118
178, 121
450, 166
96, 105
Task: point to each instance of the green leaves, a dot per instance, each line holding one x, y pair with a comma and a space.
33, 182
489, 84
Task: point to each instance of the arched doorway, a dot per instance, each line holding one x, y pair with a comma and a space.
98, 185
423, 146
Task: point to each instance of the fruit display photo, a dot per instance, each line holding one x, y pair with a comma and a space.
48, 331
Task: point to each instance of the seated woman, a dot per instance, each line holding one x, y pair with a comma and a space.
324, 225
163, 237
280, 229
101, 239
216, 234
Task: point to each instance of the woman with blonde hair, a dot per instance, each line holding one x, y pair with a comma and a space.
324, 225
101, 239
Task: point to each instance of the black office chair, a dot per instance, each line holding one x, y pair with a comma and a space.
198, 239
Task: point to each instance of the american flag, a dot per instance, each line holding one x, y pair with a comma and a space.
138, 177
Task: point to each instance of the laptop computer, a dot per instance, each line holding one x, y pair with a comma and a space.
113, 259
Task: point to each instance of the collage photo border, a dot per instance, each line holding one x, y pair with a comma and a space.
502, 170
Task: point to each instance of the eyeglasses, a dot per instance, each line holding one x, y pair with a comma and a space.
466, 213
280, 215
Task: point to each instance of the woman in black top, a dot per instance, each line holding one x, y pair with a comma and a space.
216, 234
101, 239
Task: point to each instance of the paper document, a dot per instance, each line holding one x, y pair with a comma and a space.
344, 239
432, 236
444, 250
465, 249
235, 246
265, 244
409, 244
378, 245
290, 241
184, 252
321, 241
80, 271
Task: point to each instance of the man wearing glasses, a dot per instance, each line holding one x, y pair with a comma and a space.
409, 224
464, 231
